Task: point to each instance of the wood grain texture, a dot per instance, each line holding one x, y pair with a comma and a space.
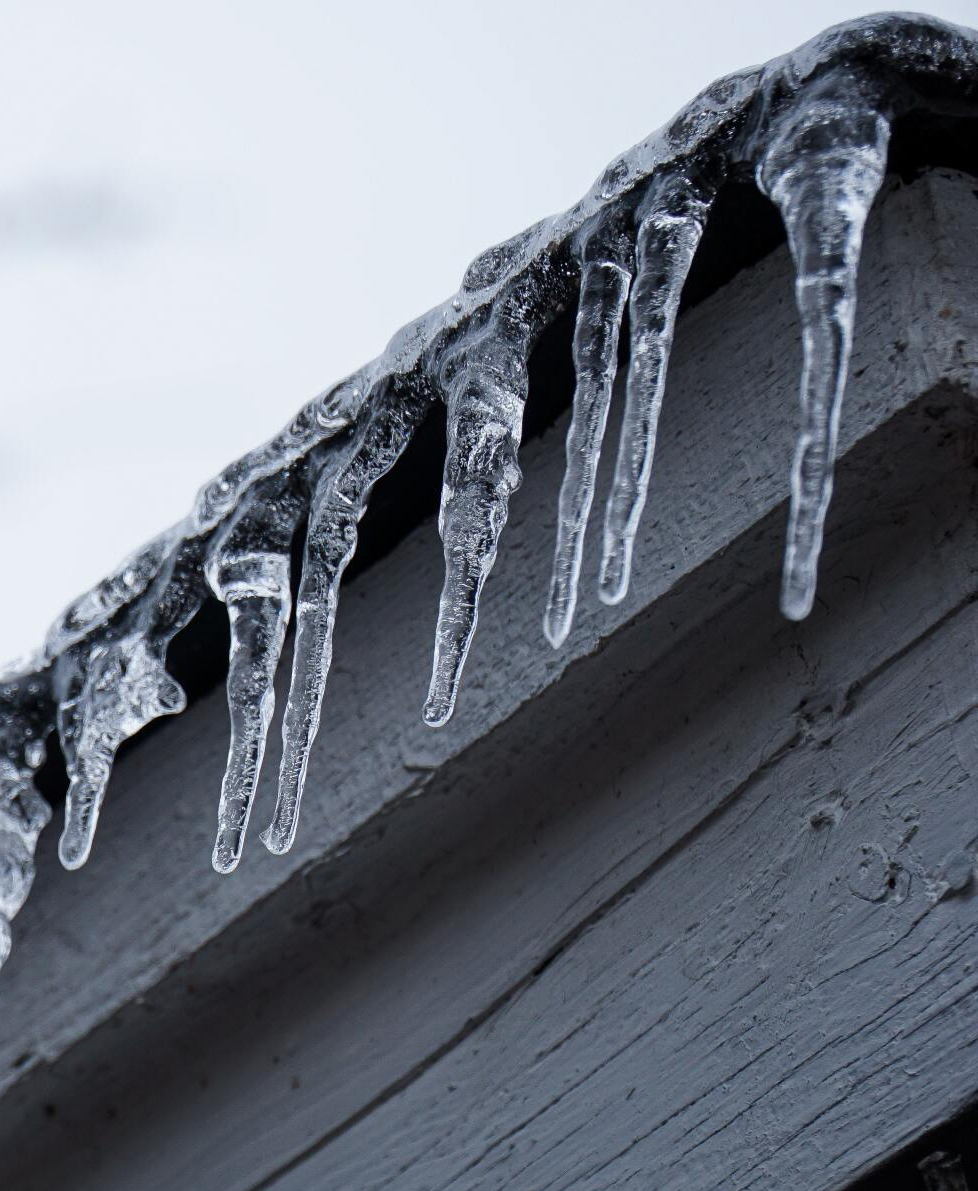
778, 1000
557, 935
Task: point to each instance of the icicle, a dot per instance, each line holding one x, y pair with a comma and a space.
124, 686
671, 223
23, 815
255, 588
248, 568
486, 396
340, 500
604, 288
822, 168
330, 544
114, 684
823, 145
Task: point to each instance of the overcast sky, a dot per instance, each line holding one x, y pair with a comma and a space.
209, 210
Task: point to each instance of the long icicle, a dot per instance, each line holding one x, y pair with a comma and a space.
340, 500
823, 169
255, 588
604, 290
485, 419
672, 220
248, 568
330, 544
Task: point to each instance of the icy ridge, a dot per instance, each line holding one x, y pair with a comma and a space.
811, 127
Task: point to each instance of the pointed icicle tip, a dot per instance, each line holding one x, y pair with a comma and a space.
83, 804
437, 710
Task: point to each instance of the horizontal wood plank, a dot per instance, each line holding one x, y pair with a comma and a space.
585, 780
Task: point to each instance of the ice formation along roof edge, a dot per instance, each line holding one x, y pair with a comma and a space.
811, 127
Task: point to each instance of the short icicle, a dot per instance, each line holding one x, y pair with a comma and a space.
115, 683
671, 221
822, 167
125, 687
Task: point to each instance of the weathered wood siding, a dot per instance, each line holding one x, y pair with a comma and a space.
686, 906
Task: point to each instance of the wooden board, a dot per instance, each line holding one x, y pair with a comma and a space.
618, 895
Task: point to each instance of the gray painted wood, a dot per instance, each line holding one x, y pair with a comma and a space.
785, 998
507, 893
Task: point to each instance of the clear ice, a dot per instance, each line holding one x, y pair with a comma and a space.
670, 222
338, 503
605, 280
812, 128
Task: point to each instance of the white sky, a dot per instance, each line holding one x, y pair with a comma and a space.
209, 210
